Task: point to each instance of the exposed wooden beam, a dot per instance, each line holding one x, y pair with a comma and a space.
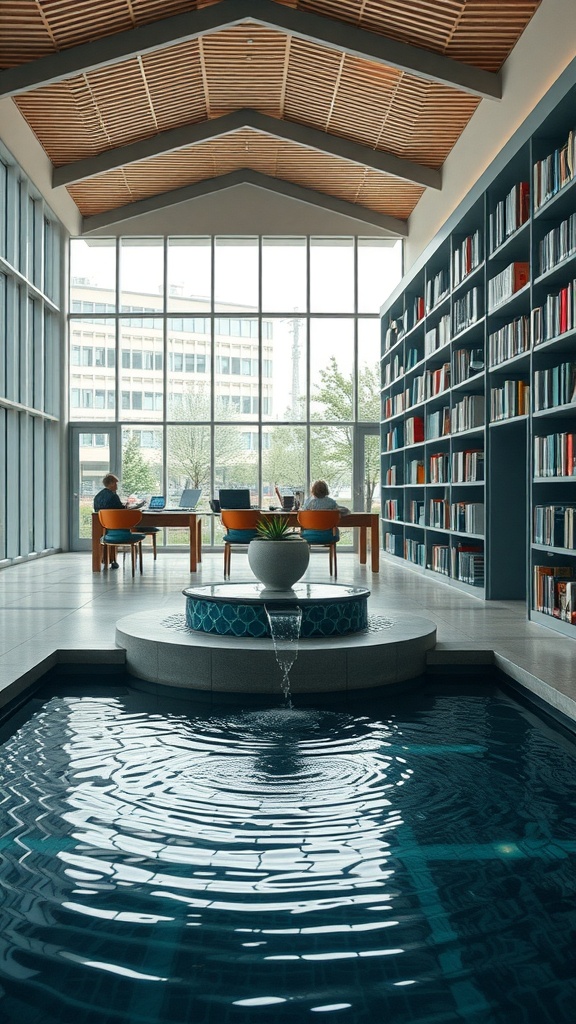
195, 134
315, 28
393, 227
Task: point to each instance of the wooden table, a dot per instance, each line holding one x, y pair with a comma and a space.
362, 521
183, 520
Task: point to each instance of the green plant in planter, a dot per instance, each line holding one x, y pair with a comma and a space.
274, 528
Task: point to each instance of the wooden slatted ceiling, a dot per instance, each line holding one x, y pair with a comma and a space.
378, 107
478, 32
283, 160
253, 66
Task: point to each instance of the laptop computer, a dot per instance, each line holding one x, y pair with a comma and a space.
234, 497
188, 500
157, 503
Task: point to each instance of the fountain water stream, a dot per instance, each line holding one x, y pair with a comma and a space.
285, 626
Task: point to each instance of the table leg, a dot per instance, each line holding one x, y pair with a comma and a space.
362, 545
198, 540
193, 544
375, 544
97, 531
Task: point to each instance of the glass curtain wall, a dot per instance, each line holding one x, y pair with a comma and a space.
30, 350
228, 361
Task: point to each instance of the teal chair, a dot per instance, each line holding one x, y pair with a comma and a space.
118, 526
240, 529
320, 526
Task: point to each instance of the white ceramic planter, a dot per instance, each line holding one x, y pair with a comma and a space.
278, 564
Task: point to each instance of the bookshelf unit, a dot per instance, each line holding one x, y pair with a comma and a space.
478, 382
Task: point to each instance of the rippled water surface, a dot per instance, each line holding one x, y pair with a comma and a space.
408, 860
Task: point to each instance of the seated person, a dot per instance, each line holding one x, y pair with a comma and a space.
319, 499
108, 498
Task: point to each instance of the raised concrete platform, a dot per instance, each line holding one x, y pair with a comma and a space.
389, 651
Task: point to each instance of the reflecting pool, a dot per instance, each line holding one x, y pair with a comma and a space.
408, 859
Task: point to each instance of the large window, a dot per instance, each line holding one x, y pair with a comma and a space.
250, 360
30, 349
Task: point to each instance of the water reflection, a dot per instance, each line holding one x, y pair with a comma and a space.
234, 866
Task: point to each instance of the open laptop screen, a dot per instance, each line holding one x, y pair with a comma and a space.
157, 501
234, 497
190, 497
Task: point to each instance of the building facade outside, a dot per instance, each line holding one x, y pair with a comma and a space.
247, 362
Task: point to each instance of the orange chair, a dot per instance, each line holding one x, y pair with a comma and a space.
118, 523
320, 526
240, 527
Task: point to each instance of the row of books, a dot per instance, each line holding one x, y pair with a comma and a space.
438, 423
509, 214
413, 429
554, 171
412, 357
555, 591
458, 516
467, 516
467, 466
558, 244
391, 509
555, 525
436, 288
415, 472
468, 413
555, 455
466, 257
416, 513
467, 564
415, 552
509, 341
440, 468
418, 309
394, 438
557, 316
465, 311
509, 281
510, 399
462, 562
555, 386
439, 513
458, 467
394, 404
440, 559
393, 543
437, 336
467, 362
393, 370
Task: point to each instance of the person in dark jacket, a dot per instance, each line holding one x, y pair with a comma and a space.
108, 498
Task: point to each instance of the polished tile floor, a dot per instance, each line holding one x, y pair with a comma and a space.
55, 609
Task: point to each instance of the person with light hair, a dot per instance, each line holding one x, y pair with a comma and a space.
320, 499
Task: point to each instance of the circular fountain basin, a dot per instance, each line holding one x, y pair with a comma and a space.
240, 609
162, 650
